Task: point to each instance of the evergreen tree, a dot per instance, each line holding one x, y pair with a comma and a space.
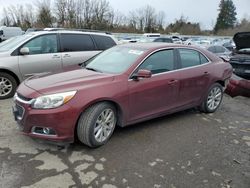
227, 15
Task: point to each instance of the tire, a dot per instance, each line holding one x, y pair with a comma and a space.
92, 129
8, 85
213, 99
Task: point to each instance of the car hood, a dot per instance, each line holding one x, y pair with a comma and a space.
242, 40
66, 81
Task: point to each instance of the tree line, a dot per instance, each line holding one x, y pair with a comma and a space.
99, 15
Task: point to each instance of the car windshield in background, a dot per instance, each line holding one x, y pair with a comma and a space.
12, 42
115, 60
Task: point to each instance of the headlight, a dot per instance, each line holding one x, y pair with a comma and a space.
52, 101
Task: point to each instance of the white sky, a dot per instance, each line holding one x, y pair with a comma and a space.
201, 11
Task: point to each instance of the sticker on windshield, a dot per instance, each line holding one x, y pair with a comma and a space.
136, 52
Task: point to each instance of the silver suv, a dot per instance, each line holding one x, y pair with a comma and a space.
46, 51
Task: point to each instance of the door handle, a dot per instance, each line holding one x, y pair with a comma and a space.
66, 55
206, 73
172, 82
55, 56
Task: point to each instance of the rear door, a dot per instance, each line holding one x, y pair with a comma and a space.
43, 56
157, 94
194, 76
77, 48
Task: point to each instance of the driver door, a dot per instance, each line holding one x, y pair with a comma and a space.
158, 94
43, 56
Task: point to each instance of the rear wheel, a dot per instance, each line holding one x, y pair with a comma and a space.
213, 99
97, 124
8, 85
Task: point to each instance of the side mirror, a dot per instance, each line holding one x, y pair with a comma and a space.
25, 51
142, 73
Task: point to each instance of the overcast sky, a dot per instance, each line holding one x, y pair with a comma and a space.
202, 11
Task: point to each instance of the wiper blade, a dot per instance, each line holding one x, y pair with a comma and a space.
92, 69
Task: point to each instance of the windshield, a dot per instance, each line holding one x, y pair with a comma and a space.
115, 60
12, 42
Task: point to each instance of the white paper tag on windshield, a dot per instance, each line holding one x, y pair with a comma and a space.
136, 52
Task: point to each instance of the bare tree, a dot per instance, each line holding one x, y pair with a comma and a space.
60, 10
44, 15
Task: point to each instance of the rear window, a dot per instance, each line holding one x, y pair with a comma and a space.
103, 42
76, 42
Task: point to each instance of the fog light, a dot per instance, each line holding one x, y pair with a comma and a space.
43, 131
46, 130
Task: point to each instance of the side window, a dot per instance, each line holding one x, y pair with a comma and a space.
76, 42
103, 42
42, 45
159, 62
189, 58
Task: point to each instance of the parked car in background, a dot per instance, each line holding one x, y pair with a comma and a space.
230, 45
8, 32
192, 41
238, 87
122, 86
220, 51
151, 35
197, 41
176, 40
163, 39
46, 51
128, 40
241, 55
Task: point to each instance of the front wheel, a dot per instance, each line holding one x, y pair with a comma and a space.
8, 85
213, 99
97, 124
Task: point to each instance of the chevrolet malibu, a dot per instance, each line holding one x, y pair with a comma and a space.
122, 86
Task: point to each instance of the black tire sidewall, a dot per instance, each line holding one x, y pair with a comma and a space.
207, 109
13, 82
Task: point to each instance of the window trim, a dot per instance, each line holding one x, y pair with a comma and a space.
161, 49
176, 57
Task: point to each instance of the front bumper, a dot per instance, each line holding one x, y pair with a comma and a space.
61, 120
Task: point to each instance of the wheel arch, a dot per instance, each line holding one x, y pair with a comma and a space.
221, 82
12, 74
120, 114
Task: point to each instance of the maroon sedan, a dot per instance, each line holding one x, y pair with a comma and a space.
121, 86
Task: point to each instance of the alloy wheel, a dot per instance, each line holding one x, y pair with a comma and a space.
104, 125
5, 86
214, 98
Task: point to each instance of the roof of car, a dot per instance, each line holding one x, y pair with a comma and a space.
70, 31
157, 45
153, 45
